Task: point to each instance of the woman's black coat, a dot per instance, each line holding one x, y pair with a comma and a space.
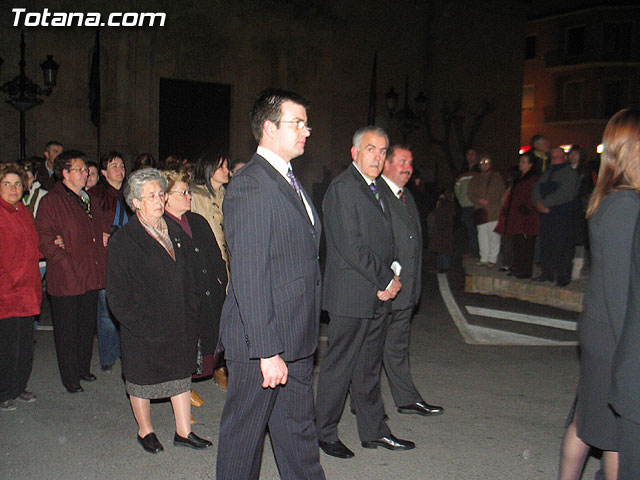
210, 275
154, 300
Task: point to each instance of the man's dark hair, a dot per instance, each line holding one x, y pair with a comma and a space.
108, 158
535, 139
397, 146
64, 161
268, 107
52, 143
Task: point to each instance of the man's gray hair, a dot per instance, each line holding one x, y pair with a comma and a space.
357, 137
139, 178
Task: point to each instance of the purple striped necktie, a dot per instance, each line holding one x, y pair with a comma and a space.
373, 188
294, 183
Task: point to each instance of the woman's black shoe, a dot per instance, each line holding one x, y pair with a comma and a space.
73, 388
192, 441
150, 443
88, 377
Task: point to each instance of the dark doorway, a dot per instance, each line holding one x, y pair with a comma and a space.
194, 117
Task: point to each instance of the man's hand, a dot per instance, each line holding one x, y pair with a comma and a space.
105, 239
59, 242
391, 292
484, 202
274, 371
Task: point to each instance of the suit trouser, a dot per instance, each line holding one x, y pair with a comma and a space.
556, 246
74, 325
286, 410
396, 358
629, 447
353, 358
16, 356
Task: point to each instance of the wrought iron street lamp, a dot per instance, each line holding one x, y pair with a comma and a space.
23, 94
406, 118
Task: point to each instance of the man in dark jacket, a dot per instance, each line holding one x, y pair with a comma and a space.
45, 170
407, 239
555, 196
361, 278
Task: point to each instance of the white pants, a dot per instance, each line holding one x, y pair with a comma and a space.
489, 242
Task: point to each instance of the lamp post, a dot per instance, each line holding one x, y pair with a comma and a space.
406, 118
23, 94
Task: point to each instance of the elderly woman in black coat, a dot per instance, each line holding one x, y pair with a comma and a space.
150, 291
207, 265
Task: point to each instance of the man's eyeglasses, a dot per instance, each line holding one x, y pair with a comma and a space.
81, 170
300, 124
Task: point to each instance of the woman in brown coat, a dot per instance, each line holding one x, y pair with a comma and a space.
485, 191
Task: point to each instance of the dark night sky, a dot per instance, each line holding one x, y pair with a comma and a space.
538, 8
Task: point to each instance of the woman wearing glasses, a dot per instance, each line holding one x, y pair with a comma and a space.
210, 175
150, 290
206, 262
73, 239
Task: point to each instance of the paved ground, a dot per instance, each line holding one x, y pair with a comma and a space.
505, 412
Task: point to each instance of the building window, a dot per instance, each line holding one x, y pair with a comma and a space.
616, 41
575, 41
573, 96
528, 97
615, 96
530, 47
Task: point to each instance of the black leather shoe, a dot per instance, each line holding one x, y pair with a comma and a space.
150, 443
88, 377
192, 441
73, 388
336, 449
421, 408
390, 442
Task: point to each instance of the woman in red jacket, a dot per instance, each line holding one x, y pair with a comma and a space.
20, 288
519, 218
76, 270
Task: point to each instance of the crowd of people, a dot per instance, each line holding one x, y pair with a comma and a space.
236, 290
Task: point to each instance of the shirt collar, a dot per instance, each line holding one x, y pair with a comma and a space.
275, 160
394, 188
366, 179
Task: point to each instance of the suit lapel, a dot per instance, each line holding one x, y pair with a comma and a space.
287, 189
366, 190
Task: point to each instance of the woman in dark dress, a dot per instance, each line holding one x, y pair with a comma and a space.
150, 290
206, 263
612, 213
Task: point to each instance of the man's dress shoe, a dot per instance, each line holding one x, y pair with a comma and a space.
191, 441
336, 449
88, 377
390, 442
421, 408
73, 388
150, 443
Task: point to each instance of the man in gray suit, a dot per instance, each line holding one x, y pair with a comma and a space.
407, 236
270, 318
360, 281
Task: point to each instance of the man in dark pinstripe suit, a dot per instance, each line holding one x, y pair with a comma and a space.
360, 280
269, 324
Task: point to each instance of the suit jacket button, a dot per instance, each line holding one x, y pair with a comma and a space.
197, 249
204, 270
317, 283
207, 293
